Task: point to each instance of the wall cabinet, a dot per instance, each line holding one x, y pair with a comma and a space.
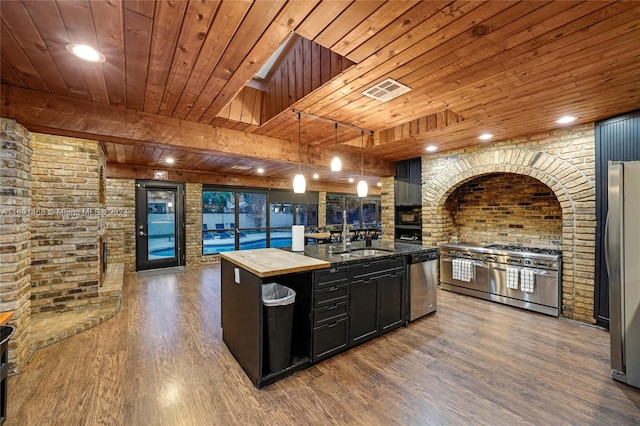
408, 182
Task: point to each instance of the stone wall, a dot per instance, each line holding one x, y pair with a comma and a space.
66, 223
121, 224
508, 208
15, 236
562, 160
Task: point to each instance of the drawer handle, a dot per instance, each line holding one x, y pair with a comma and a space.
335, 305
333, 270
333, 288
333, 325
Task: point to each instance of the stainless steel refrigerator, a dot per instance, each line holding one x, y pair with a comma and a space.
622, 253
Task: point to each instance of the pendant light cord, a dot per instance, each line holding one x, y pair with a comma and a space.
362, 156
299, 146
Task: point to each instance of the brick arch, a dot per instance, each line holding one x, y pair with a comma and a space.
569, 184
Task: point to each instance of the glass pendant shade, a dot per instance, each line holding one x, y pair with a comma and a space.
336, 164
362, 188
299, 184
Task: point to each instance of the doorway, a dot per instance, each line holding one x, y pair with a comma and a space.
160, 225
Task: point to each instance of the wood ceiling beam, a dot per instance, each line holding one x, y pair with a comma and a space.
123, 171
71, 117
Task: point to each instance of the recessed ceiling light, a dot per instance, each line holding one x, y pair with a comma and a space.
316, 176
260, 170
431, 148
85, 52
169, 160
485, 136
379, 184
566, 119
350, 180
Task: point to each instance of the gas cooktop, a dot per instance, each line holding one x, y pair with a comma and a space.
523, 249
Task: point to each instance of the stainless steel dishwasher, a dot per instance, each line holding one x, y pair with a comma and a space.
423, 284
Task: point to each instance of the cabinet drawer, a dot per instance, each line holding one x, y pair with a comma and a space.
330, 313
375, 266
330, 339
331, 295
331, 276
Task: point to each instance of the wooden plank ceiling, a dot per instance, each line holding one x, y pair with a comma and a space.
507, 68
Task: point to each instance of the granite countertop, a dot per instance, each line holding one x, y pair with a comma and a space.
321, 251
271, 261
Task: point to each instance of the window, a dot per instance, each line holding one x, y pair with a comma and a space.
361, 212
249, 219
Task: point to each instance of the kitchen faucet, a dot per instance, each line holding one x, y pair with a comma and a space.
345, 232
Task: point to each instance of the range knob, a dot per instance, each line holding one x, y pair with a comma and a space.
527, 262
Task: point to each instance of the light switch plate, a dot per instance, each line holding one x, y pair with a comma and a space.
236, 275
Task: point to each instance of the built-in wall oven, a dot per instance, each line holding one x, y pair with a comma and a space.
525, 277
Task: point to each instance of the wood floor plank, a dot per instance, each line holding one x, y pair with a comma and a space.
161, 361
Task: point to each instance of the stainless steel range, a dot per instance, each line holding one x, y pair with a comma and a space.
528, 278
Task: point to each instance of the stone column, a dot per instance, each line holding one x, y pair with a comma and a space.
387, 200
15, 236
322, 208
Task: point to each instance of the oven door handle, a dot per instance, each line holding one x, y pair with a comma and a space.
480, 265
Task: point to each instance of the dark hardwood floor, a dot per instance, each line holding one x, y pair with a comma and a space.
161, 361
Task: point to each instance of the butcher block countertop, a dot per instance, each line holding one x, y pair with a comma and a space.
5, 317
272, 261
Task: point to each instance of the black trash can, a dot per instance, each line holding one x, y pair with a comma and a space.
278, 302
6, 331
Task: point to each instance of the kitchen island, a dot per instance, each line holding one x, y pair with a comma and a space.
343, 298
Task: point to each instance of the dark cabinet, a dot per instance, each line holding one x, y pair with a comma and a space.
364, 311
616, 139
407, 193
408, 201
245, 322
330, 311
408, 183
377, 298
391, 307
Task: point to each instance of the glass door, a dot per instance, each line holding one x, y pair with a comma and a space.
159, 225
251, 219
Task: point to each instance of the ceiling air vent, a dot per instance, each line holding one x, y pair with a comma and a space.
386, 90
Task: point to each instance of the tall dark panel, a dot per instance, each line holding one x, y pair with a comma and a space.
616, 139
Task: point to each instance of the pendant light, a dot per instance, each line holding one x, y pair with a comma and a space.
336, 163
299, 183
362, 187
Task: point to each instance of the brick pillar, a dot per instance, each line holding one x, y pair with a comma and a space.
322, 209
193, 218
121, 228
387, 200
15, 236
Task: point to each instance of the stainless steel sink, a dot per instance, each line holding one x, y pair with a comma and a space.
370, 252
348, 255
